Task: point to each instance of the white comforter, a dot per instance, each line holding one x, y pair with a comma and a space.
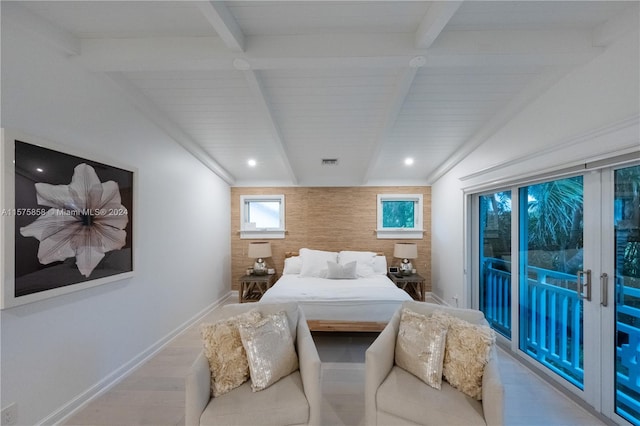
374, 298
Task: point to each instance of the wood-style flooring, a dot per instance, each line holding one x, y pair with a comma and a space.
154, 393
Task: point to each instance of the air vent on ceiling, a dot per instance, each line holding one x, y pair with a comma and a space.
329, 161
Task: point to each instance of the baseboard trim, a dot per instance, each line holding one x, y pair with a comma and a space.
438, 299
83, 399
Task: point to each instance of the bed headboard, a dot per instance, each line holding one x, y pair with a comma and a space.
289, 254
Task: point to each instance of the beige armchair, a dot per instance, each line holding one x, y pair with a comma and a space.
293, 400
395, 397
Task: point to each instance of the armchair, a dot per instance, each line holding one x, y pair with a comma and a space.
394, 396
293, 400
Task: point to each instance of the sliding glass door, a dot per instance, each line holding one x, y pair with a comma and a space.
626, 281
551, 276
566, 293
495, 260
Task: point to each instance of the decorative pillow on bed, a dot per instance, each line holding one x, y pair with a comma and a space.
314, 262
380, 265
342, 272
467, 352
420, 347
270, 350
292, 265
225, 353
364, 261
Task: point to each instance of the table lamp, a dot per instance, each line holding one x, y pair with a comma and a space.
259, 251
405, 251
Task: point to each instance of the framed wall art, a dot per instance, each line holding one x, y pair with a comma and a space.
67, 220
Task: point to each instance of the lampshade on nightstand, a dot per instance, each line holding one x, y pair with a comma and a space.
405, 251
260, 251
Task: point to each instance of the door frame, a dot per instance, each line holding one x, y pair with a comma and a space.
608, 313
599, 348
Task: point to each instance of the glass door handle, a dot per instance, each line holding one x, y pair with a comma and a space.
604, 289
582, 283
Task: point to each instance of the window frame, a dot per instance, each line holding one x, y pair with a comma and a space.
416, 232
248, 232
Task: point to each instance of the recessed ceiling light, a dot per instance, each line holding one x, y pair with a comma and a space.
252, 162
408, 161
39, 170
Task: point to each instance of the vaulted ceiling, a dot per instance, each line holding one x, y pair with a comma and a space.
289, 84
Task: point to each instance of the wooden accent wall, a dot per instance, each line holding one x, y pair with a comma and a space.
328, 218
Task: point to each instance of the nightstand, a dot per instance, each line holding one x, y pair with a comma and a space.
252, 287
412, 284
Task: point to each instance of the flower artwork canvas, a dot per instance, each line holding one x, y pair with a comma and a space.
72, 223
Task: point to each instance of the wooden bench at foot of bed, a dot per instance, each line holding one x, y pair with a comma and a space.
361, 326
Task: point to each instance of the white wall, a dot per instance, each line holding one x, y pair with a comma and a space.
54, 350
587, 114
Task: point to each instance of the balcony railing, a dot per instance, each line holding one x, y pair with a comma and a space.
628, 355
551, 322
551, 325
495, 294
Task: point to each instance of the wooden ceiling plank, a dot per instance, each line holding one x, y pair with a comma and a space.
394, 105
434, 21
257, 88
164, 122
223, 23
62, 40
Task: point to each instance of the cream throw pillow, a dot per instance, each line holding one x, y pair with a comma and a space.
270, 351
467, 352
225, 353
420, 347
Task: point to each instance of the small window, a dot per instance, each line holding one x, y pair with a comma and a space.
400, 216
261, 216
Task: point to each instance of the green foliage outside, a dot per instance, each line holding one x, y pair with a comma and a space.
398, 214
555, 223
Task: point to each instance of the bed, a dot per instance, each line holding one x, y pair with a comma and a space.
361, 301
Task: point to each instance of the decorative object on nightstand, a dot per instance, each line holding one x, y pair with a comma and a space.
405, 251
260, 251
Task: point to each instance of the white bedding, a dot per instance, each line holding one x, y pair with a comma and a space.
374, 298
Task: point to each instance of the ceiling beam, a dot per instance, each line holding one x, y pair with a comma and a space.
396, 100
62, 40
162, 120
454, 48
257, 88
614, 28
434, 21
223, 23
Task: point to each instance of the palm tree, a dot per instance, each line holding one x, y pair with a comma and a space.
555, 221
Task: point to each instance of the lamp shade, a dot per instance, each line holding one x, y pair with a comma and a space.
259, 250
405, 251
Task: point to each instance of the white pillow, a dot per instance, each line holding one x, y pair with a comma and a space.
380, 265
364, 261
342, 272
292, 265
314, 262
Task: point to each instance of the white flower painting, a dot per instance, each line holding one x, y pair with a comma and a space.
85, 221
